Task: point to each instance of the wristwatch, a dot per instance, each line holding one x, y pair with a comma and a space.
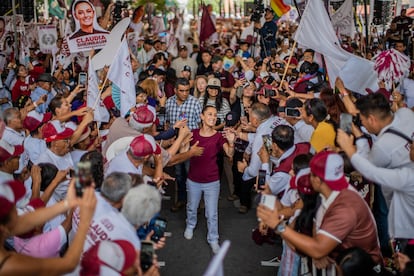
281, 227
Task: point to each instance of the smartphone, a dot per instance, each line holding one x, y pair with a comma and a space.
176, 131
159, 227
83, 79
261, 180
345, 122
268, 201
83, 177
267, 142
182, 116
292, 112
147, 255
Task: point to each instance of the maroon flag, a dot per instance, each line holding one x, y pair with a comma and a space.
207, 26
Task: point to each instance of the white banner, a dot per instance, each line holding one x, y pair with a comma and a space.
315, 31
120, 73
343, 19
47, 38
100, 113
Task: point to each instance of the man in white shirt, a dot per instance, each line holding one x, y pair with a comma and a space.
133, 158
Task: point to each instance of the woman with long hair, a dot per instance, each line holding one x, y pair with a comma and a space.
214, 97
333, 103
200, 86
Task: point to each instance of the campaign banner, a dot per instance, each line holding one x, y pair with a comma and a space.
88, 34
47, 38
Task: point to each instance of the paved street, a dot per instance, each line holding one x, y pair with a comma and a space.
191, 257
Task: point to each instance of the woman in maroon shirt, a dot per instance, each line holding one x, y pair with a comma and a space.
21, 87
203, 176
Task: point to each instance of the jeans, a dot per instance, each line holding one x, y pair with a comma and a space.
181, 172
211, 195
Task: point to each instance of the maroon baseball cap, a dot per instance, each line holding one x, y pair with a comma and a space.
10, 192
7, 151
54, 130
35, 119
329, 166
144, 145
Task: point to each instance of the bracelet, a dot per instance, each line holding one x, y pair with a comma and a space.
231, 145
35, 104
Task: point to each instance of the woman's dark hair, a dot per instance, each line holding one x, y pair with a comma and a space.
333, 103
157, 57
355, 261
207, 106
304, 222
301, 161
219, 98
317, 108
56, 102
142, 76
170, 76
48, 173
97, 161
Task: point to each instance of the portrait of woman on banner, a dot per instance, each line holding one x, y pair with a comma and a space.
88, 34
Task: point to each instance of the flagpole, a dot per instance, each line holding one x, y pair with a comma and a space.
288, 63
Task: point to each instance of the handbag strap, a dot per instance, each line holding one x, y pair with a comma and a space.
399, 133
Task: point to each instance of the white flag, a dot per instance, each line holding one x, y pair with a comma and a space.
100, 113
343, 19
120, 73
315, 31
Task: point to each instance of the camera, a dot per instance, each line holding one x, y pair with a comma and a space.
258, 11
117, 13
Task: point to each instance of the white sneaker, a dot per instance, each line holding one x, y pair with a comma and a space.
215, 247
273, 262
188, 233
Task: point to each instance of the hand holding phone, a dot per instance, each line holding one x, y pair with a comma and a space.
83, 177
159, 227
83, 79
268, 200
147, 255
345, 122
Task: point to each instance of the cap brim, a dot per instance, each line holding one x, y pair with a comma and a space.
337, 185
18, 150
157, 149
18, 189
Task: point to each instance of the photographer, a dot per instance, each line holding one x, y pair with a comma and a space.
267, 33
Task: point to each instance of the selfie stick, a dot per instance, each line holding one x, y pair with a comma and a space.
287, 65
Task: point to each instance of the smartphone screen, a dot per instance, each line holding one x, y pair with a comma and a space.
267, 142
292, 112
160, 225
83, 78
345, 122
261, 180
83, 177
147, 255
